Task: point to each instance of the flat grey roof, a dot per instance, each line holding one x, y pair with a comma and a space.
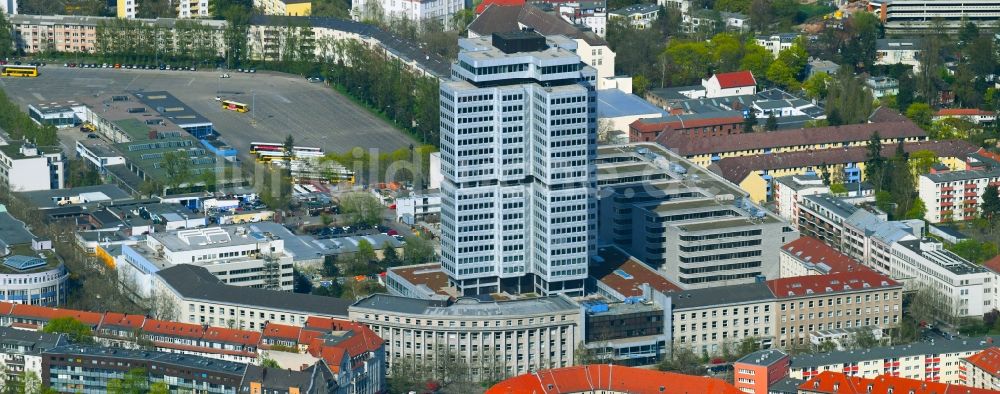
299, 247
29, 341
954, 176
12, 230
724, 295
543, 306
836, 205
764, 357
614, 103
197, 283
944, 258
47, 198
171, 108
937, 346
182, 360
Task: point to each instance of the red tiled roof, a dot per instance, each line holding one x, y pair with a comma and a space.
736, 79
46, 314
993, 264
736, 169
486, 3
686, 145
5, 308
595, 377
607, 272
682, 122
122, 320
987, 360
829, 382
814, 251
282, 331
173, 328
961, 112
811, 285
229, 335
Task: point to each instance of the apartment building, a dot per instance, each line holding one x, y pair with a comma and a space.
590, 47
707, 125
705, 320
285, 7
692, 226
955, 195
755, 173
842, 383
70, 33
906, 51
973, 115
414, 10
494, 338
789, 191
704, 151
235, 254
26, 167
187, 9
822, 216
919, 15
930, 361
514, 215
963, 287
639, 16
868, 237
197, 296
126, 9
595, 378
775, 43
757, 371
21, 352
882, 86
849, 300
981, 370
267, 41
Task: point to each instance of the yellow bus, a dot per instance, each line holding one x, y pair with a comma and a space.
235, 106
10, 70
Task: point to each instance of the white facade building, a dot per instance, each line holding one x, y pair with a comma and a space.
730, 84
415, 208
9, 7
909, 15
684, 6
890, 51
775, 43
413, 10
435, 171
965, 287
954, 195
25, 167
639, 16
512, 337
33, 280
192, 9
789, 190
234, 254
518, 142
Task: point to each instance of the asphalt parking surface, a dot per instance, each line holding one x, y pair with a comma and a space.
282, 104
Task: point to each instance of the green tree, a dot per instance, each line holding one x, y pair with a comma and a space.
921, 114
159, 388
815, 86
75, 330
883, 200
875, 164
917, 209
847, 100
361, 208
772, 122
417, 250
366, 252
690, 60
750, 121
390, 257
683, 361
177, 166
990, 206
922, 161
756, 58
973, 250
6, 37
269, 363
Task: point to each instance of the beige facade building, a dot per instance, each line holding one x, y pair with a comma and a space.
495, 338
847, 300
705, 320
68, 33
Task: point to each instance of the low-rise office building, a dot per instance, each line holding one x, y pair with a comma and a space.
34, 279
420, 207
859, 299
494, 338
639, 16
25, 166
234, 254
906, 51
705, 320
963, 288
58, 114
197, 296
920, 15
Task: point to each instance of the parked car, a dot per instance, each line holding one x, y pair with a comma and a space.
224, 75
92, 136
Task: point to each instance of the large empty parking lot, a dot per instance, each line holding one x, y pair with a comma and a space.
283, 104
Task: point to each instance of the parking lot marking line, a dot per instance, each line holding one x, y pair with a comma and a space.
190, 82
38, 96
130, 82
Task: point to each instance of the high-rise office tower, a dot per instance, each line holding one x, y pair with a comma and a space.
518, 143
